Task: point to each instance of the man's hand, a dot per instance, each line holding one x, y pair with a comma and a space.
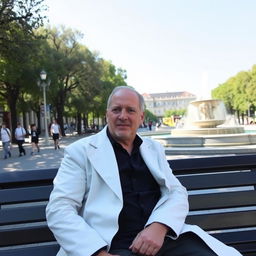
150, 240
105, 253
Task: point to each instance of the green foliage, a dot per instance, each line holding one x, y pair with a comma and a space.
238, 92
175, 112
150, 116
23, 15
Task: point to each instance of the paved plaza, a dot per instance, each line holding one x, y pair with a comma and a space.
48, 157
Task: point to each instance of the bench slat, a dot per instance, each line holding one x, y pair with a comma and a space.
25, 235
246, 248
237, 237
22, 214
36, 250
29, 194
223, 180
222, 200
219, 164
21, 178
219, 221
244, 241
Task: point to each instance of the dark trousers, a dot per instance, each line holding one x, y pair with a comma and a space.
21, 149
188, 244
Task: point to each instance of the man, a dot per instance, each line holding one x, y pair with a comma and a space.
6, 140
55, 133
115, 194
20, 134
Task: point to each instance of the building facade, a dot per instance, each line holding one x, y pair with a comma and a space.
159, 103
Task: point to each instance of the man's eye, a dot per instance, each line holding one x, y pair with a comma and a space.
115, 110
131, 110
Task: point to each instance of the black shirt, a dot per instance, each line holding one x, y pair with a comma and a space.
140, 193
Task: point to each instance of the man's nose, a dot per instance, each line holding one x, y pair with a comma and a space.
123, 114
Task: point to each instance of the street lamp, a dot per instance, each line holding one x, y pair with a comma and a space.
43, 83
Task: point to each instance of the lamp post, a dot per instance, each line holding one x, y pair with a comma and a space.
43, 83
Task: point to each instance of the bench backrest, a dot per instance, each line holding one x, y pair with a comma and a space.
222, 197
222, 200
23, 198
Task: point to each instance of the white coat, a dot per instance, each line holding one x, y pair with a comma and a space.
86, 200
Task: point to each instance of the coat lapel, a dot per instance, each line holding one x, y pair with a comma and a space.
103, 160
151, 158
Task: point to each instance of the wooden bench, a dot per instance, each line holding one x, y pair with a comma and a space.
222, 195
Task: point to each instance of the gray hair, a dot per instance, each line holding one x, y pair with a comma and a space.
116, 89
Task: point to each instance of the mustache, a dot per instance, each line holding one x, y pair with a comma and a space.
122, 123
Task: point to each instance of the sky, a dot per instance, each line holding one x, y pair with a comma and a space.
166, 45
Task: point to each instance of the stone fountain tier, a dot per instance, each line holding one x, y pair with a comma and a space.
207, 131
206, 113
206, 117
222, 140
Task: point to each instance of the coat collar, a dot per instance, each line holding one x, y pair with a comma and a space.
102, 157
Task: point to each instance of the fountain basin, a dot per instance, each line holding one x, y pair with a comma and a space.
207, 140
208, 131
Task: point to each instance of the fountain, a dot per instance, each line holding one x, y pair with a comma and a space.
205, 126
206, 117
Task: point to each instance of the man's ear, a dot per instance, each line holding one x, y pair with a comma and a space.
142, 117
106, 116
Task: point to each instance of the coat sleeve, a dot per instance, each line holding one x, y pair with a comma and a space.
72, 232
172, 207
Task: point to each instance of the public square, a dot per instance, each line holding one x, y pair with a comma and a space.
48, 157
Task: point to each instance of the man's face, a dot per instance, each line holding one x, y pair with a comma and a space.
124, 116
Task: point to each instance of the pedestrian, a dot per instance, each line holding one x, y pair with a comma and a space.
20, 134
6, 141
34, 133
115, 194
55, 133
150, 125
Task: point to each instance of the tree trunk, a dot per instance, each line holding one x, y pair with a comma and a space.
85, 121
238, 117
242, 118
79, 123
12, 102
60, 111
24, 117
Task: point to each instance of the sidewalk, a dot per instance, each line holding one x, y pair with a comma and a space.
48, 157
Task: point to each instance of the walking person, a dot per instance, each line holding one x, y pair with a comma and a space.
20, 134
6, 140
34, 133
55, 133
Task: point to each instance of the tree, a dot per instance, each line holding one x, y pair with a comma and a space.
17, 48
174, 112
150, 116
240, 96
237, 93
26, 14
251, 89
225, 92
16, 74
64, 64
